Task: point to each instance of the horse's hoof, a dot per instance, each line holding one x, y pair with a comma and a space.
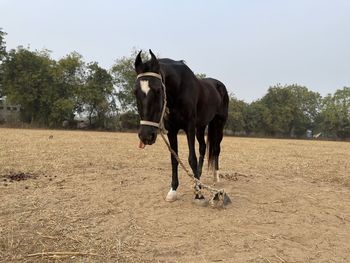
200, 202
171, 196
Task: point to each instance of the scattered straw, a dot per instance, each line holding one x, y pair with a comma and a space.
62, 254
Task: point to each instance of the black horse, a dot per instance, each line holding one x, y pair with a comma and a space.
168, 92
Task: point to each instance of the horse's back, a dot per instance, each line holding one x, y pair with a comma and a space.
206, 97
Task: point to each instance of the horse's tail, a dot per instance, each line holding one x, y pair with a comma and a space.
216, 127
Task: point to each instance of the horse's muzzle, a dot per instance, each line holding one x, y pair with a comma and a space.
148, 134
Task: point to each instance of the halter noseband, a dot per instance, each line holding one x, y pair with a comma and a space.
160, 124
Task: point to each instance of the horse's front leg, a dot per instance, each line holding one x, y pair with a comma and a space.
171, 196
192, 158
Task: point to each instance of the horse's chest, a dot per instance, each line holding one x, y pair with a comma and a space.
176, 117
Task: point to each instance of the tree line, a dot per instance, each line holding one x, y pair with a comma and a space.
54, 92
292, 111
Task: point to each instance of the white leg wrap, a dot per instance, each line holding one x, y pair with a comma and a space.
171, 196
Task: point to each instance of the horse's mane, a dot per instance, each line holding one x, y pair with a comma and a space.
171, 61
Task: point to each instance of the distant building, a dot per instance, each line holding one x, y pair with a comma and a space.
308, 133
9, 112
82, 121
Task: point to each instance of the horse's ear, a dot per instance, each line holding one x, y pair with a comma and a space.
138, 62
152, 55
154, 61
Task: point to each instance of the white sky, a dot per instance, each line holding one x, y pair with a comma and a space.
249, 45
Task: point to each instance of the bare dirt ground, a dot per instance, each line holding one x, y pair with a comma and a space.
95, 197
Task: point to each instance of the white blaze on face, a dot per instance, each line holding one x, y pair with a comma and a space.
145, 86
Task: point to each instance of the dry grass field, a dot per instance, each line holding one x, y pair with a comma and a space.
73, 196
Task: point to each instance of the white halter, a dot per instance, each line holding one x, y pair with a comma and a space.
160, 124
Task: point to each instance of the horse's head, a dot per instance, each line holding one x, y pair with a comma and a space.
149, 97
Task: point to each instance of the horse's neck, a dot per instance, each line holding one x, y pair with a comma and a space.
173, 73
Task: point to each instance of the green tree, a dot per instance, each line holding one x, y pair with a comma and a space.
258, 119
129, 120
293, 109
2, 45
335, 116
28, 81
201, 75
307, 107
236, 115
2, 56
97, 95
124, 77
69, 80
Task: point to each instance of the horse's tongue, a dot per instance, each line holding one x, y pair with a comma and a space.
141, 145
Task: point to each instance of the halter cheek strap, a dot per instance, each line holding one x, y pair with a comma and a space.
149, 123
160, 124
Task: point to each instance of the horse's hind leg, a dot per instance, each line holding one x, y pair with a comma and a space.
216, 127
202, 147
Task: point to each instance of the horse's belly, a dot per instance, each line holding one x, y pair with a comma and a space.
176, 119
204, 118
207, 110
